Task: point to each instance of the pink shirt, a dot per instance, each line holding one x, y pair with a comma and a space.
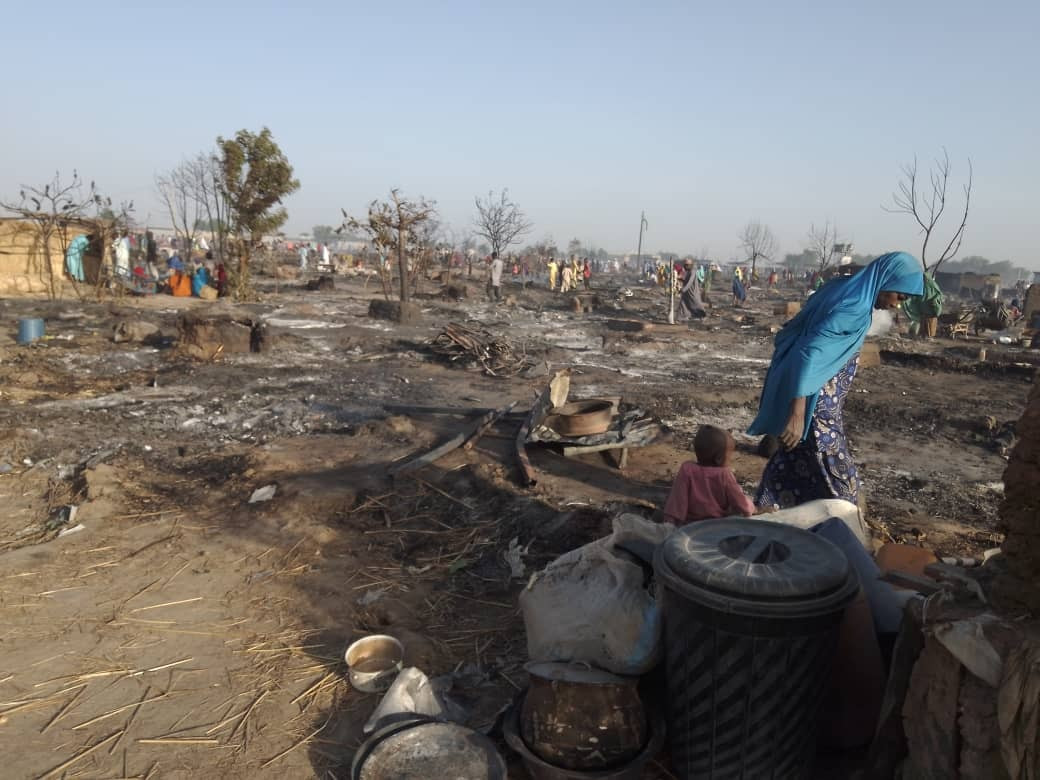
703, 492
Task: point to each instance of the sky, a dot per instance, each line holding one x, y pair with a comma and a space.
703, 115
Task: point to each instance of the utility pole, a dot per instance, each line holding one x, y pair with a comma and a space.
639, 252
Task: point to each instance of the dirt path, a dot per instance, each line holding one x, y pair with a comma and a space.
185, 630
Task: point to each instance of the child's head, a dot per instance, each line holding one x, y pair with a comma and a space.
713, 446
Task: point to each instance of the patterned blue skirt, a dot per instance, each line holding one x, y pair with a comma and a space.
821, 466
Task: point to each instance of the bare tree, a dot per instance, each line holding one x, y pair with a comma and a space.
926, 203
397, 226
823, 243
214, 201
759, 243
500, 221
450, 241
546, 247
57, 211
424, 241
183, 192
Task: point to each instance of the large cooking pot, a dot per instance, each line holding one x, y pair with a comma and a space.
582, 418
578, 717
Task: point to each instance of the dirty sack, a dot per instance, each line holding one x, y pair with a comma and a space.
595, 605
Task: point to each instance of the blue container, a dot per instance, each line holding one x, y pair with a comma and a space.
29, 330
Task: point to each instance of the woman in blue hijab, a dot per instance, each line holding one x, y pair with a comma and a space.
814, 363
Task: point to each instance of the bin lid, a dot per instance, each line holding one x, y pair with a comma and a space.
754, 559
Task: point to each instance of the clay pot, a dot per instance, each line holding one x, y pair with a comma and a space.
580, 718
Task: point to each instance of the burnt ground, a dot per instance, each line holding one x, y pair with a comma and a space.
185, 630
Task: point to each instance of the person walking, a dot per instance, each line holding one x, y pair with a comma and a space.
495, 278
586, 274
690, 304
814, 362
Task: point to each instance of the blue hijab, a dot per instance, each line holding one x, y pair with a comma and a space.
814, 346
199, 280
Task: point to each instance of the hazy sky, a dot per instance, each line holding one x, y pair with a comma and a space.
705, 115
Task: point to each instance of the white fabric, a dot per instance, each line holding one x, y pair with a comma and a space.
122, 252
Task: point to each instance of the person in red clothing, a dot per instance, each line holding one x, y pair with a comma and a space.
707, 488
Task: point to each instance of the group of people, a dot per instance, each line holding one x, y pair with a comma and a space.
197, 278
814, 363
570, 274
564, 276
140, 266
320, 253
172, 275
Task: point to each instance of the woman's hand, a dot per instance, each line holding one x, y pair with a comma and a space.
792, 432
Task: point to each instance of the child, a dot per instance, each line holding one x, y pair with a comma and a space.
707, 488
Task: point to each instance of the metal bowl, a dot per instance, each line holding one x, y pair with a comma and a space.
374, 661
424, 749
582, 418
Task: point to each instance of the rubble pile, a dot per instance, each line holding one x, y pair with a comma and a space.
497, 356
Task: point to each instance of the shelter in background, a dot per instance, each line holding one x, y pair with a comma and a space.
970, 285
23, 266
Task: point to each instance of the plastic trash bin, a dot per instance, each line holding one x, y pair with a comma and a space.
751, 612
30, 329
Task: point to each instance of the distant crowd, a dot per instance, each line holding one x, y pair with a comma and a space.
141, 265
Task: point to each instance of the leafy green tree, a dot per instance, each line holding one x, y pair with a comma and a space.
255, 177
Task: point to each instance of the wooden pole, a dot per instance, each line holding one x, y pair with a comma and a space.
527, 475
468, 438
485, 424
639, 251
671, 293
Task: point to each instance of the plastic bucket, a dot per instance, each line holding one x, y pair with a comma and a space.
30, 330
751, 612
